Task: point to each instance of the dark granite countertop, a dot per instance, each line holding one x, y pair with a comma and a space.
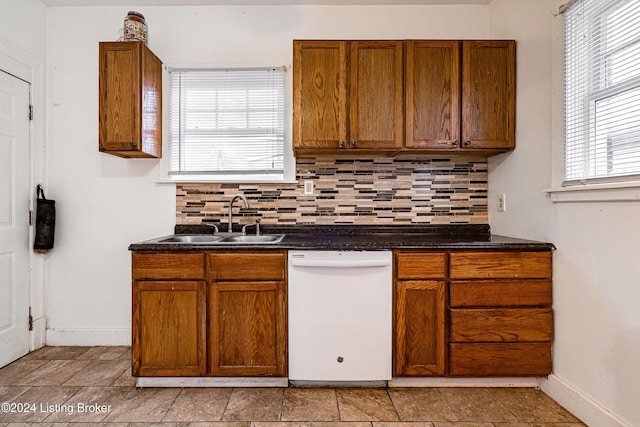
359, 237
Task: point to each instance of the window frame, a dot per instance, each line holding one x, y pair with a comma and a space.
167, 176
595, 90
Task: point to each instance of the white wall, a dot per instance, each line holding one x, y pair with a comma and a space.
596, 270
104, 202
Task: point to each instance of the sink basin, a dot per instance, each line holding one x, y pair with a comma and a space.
223, 238
196, 238
263, 238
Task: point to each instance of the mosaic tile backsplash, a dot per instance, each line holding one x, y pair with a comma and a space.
354, 191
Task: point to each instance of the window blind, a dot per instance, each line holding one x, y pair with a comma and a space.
602, 90
227, 121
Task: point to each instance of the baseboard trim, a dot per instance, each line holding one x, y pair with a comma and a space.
463, 382
579, 404
88, 337
210, 382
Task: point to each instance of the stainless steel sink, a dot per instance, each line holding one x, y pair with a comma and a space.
188, 238
262, 238
224, 238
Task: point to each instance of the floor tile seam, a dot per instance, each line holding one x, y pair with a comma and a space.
499, 401
448, 405
393, 405
64, 404
171, 405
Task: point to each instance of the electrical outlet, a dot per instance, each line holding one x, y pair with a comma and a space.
308, 187
502, 202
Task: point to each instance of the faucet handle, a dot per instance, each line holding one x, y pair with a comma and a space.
257, 224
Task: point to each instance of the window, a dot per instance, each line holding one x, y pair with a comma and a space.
602, 91
227, 122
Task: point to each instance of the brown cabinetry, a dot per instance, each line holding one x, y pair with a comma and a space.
420, 287
130, 100
247, 305
169, 314
457, 96
209, 313
348, 95
460, 95
501, 321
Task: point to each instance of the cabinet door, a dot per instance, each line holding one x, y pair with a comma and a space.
432, 74
420, 328
319, 94
376, 116
488, 94
130, 100
247, 329
169, 328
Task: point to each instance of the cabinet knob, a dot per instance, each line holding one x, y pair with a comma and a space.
467, 143
343, 144
340, 359
133, 145
455, 143
354, 143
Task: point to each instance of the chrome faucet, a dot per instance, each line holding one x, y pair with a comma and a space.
233, 199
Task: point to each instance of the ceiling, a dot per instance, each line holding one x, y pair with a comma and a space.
57, 3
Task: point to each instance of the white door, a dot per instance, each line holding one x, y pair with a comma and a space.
14, 219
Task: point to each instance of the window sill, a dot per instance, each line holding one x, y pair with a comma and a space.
200, 179
612, 192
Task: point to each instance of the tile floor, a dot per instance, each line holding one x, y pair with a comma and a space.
74, 386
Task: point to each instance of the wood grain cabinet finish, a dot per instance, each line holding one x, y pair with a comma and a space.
209, 313
413, 95
130, 100
420, 289
168, 315
247, 314
488, 94
501, 321
348, 95
460, 95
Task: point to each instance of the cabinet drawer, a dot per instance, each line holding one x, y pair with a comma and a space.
500, 359
501, 325
238, 265
500, 265
420, 265
499, 293
162, 265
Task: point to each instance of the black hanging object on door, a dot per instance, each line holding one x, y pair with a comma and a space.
45, 222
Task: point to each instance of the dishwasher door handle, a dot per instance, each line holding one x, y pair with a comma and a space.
331, 263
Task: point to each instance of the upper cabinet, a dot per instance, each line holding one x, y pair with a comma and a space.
130, 100
489, 94
404, 96
433, 94
348, 95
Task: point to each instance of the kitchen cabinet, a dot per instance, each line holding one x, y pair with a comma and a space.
348, 95
247, 313
209, 313
169, 314
420, 289
460, 95
501, 321
439, 95
130, 100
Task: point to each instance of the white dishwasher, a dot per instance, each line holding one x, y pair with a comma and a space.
340, 308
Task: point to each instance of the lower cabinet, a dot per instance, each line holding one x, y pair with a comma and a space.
209, 314
501, 321
247, 306
420, 289
169, 314
473, 314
